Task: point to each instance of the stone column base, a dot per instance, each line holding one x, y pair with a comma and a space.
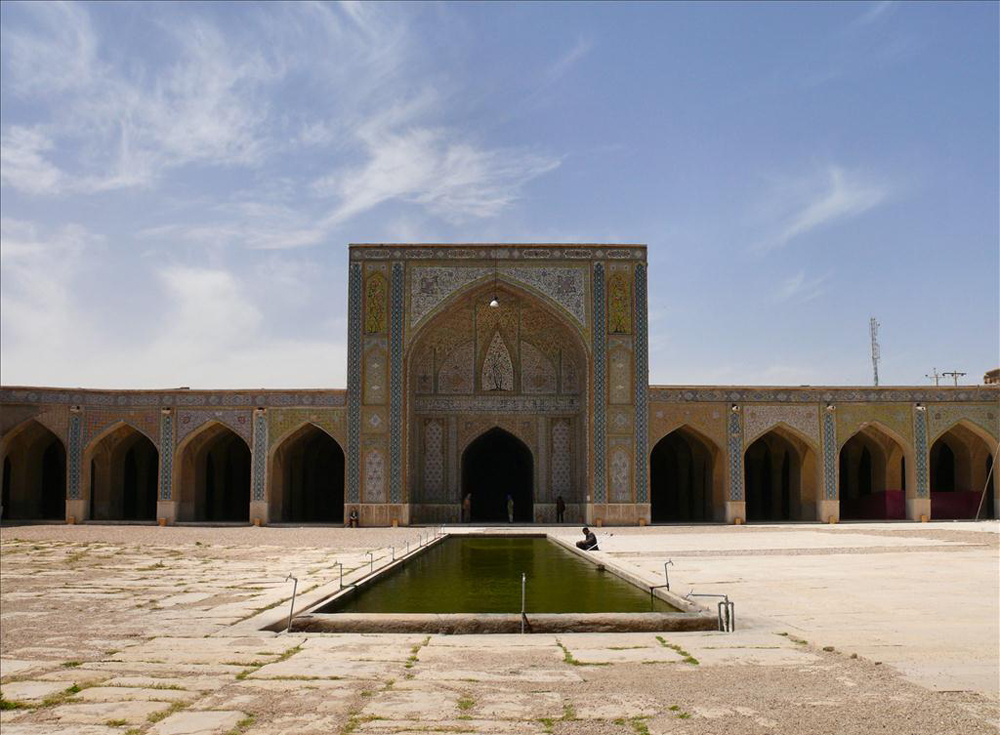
736, 511
78, 510
917, 507
166, 511
258, 513
828, 511
379, 514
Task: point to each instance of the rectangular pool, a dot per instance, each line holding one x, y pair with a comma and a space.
483, 575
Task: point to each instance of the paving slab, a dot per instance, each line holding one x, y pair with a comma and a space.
132, 713
31, 691
537, 676
19, 728
198, 723
134, 694
302, 665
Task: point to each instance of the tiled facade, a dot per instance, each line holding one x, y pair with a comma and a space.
562, 365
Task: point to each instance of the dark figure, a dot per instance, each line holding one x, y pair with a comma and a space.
589, 542
352, 518
467, 508
560, 509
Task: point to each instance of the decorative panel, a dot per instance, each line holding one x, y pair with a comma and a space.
620, 471
457, 372
354, 383
166, 454
641, 388
830, 464
396, 307
375, 476
433, 461
189, 420
75, 455
562, 457
376, 295
498, 369
619, 303
758, 419
620, 377
896, 417
259, 449
281, 421
735, 457
943, 417
538, 375
375, 376
97, 420
920, 440
600, 387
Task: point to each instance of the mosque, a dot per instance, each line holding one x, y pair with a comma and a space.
495, 370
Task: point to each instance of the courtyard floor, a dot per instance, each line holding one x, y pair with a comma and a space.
855, 628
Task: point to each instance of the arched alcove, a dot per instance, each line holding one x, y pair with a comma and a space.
213, 476
495, 465
872, 466
34, 474
471, 366
122, 475
960, 460
685, 478
307, 478
780, 480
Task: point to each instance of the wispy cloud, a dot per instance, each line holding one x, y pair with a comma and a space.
800, 288
831, 196
875, 12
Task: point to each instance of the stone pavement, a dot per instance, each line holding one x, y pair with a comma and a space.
109, 629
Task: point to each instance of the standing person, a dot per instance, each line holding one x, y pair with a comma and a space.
467, 508
510, 508
560, 509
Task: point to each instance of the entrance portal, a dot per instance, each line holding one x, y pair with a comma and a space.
496, 465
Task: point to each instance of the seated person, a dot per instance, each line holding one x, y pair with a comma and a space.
589, 542
352, 518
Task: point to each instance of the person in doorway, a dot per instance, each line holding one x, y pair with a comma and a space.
560, 509
589, 542
467, 508
352, 518
510, 508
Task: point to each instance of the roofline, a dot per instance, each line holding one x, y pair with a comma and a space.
496, 244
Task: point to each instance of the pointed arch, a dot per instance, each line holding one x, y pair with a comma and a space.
34, 473
495, 465
687, 477
781, 476
960, 462
120, 474
212, 474
876, 470
306, 469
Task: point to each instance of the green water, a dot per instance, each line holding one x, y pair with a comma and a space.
483, 575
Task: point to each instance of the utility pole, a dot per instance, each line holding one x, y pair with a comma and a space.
936, 377
876, 354
954, 375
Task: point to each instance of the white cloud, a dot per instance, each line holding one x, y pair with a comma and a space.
454, 180
875, 12
800, 288
805, 205
23, 164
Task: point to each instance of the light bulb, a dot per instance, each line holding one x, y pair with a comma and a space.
494, 303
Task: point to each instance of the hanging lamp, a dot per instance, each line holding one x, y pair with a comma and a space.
495, 303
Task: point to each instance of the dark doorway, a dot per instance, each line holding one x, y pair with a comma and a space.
942, 468
34, 476
771, 467
496, 465
307, 484
681, 468
124, 477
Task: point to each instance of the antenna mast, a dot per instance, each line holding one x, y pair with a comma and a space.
936, 377
873, 326
954, 374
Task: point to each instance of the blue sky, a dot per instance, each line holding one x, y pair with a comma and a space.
179, 182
